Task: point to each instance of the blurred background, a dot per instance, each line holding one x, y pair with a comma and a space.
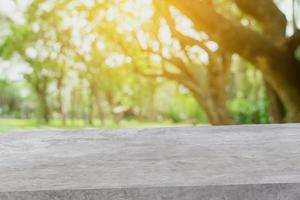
76, 64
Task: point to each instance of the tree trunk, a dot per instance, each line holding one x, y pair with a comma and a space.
110, 101
99, 107
275, 106
91, 107
215, 109
214, 95
94, 93
45, 111
60, 105
285, 81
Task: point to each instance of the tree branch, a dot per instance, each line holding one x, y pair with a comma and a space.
183, 39
294, 41
230, 35
266, 12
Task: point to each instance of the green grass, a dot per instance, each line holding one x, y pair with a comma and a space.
10, 124
7, 125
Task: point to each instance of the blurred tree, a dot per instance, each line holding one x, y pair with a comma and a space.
270, 50
41, 43
17, 42
203, 70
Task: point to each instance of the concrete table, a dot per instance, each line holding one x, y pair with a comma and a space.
209, 163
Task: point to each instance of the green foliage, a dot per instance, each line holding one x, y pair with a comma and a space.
177, 104
12, 102
248, 112
9, 98
16, 41
248, 101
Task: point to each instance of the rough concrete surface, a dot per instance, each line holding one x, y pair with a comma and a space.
205, 163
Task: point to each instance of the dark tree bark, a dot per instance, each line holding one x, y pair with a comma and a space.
275, 106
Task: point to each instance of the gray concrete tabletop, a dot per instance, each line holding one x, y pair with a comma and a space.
209, 163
